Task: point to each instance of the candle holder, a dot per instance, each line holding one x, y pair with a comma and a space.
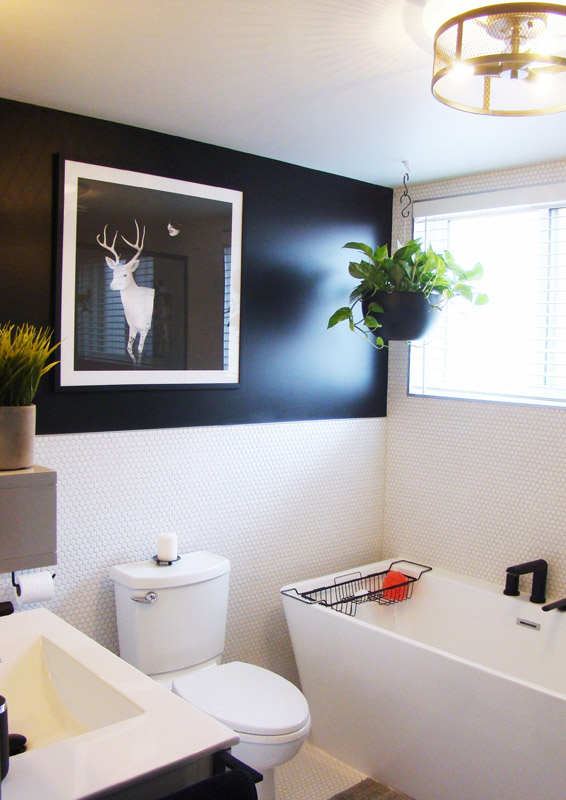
161, 563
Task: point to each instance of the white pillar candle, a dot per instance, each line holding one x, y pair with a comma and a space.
167, 546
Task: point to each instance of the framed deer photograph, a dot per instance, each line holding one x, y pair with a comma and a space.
149, 283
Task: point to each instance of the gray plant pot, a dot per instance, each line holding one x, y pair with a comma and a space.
17, 437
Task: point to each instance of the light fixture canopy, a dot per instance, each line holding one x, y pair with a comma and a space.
504, 60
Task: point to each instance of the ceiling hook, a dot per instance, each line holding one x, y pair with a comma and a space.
405, 198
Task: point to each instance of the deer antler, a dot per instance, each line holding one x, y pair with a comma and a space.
111, 247
137, 246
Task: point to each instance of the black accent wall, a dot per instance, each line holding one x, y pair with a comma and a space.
294, 275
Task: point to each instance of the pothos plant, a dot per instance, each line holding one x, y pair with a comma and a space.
410, 269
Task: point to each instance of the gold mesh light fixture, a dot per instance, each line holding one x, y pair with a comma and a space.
507, 60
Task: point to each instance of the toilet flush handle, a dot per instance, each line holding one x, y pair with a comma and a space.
149, 599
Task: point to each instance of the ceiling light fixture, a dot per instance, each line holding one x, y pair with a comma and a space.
506, 60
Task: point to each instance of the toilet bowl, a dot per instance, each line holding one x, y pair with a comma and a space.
174, 631
269, 713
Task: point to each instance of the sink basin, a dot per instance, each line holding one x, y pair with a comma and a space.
52, 696
95, 725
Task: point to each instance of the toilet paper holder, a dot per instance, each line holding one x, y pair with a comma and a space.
17, 586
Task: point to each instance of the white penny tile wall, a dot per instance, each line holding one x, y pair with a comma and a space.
282, 501
474, 486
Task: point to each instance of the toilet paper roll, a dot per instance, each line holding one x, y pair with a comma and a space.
35, 587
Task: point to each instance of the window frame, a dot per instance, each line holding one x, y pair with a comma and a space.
523, 198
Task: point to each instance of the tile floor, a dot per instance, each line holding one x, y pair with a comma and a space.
314, 775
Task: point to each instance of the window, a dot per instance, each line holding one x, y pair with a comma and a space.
227, 295
514, 348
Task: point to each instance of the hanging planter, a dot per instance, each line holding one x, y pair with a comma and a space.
24, 351
401, 295
406, 316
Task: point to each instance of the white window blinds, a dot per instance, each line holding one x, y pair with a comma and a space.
514, 348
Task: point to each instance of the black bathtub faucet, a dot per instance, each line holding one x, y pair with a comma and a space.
560, 605
539, 568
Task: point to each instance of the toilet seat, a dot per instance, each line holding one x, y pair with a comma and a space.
249, 699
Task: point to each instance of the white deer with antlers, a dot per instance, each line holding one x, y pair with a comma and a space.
136, 300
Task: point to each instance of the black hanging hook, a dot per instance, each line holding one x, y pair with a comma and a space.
405, 199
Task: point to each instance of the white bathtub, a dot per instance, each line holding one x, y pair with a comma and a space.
443, 696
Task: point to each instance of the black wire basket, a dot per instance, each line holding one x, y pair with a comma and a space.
353, 588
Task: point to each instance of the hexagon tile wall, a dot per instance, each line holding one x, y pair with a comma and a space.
474, 486
281, 501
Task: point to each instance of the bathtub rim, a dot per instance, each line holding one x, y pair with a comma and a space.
438, 573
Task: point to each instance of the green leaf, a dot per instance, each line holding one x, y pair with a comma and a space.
360, 290
440, 264
354, 270
464, 290
475, 273
340, 315
407, 250
371, 322
407, 266
397, 274
449, 258
481, 299
363, 270
363, 248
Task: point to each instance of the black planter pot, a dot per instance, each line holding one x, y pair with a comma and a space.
407, 315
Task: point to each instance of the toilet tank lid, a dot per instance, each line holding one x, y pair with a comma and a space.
190, 568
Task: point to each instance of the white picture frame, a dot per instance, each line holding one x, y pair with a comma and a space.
149, 282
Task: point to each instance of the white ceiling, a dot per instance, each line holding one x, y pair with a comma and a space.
337, 85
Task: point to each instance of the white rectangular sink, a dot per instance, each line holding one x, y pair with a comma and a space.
52, 696
94, 723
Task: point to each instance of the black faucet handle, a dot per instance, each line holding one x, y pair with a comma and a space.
559, 605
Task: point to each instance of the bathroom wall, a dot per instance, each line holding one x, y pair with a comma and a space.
282, 501
474, 486
297, 496
295, 222
470, 486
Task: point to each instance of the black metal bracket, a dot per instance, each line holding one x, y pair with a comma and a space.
17, 586
225, 760
161, 563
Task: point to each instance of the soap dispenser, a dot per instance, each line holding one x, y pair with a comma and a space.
4, 741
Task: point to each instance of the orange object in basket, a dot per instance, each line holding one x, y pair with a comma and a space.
393, 579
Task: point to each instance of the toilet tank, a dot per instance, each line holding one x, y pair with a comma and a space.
184, 625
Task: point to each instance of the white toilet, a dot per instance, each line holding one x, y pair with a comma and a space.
171, 625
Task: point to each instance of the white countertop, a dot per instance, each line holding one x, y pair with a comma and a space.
140, 727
